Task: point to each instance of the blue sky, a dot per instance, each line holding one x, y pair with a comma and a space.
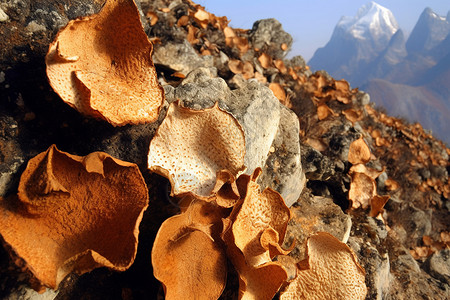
311, 23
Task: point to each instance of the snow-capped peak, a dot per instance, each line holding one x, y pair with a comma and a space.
372, 21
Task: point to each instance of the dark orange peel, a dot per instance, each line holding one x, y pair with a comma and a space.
74, 214
101, 65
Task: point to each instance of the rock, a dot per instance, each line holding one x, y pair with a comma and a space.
201, 89
258, 111
362, 98
296, 61
405, 263
180, 57
438, 265
11, 156
339, 138
315, 165
377, 267
271, 130
3, 16
269, 37
312, 214
439, 172
26, 293
282, 171
32, 25
415, 222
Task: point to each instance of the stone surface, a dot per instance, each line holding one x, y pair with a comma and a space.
282, 171
438, 265
268, 36
180, 57
414, 221
26, 293
312, 214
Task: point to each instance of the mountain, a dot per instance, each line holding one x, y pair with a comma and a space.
356, 41
371, 52
429, 31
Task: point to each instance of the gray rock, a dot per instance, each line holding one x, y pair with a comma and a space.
258, 111
406, 263
438, 265
362, 98
11, 156
282, 171
316, 165
296, 61
268, 36
201, 89
416, 222
339, 138
26, 293
377, 267
180, 57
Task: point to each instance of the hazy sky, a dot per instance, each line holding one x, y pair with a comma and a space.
311, 23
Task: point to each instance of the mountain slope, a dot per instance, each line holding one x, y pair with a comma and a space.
420, 103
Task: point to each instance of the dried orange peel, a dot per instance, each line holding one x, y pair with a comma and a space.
186, 257
191, 146
101, 65
74, 214
331, 271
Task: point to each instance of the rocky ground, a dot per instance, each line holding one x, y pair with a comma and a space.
403, 246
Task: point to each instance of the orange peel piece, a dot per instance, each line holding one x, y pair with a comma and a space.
101, 65
324, 111
265, 60
74, 214
186, 257
377, 204
359, 152
191, 146
261, 282
259, 213
332, 272
278, 91
362, 189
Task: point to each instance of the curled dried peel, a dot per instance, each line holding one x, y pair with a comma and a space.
261, 282
82, 212
101, 65
259, 212
362, 189
186, 256
191, 146
226, 192
359, 152
332, 272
